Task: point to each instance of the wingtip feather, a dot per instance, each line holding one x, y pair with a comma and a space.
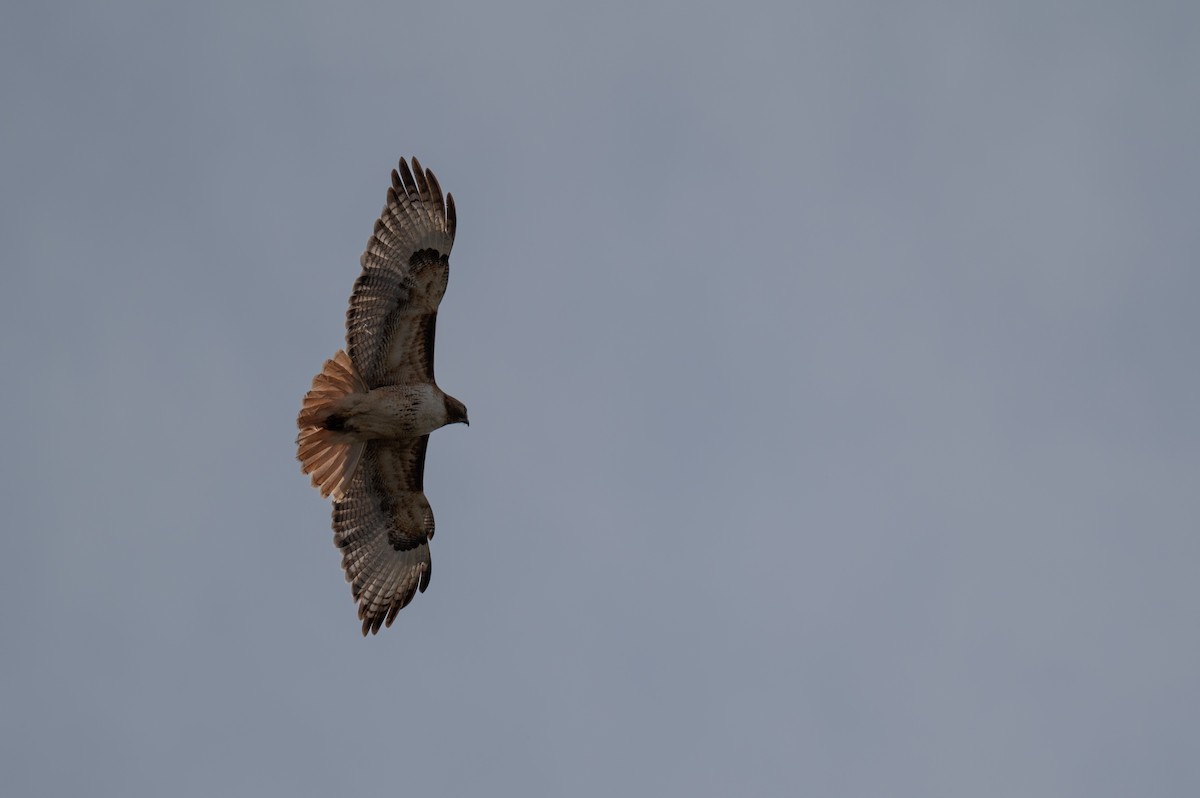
406, 177
422, 181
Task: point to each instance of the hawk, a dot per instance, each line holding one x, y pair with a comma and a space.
365, 424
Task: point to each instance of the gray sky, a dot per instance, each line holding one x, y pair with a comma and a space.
832, 371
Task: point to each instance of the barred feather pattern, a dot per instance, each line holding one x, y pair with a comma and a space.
383, 525
392, 318
326, 455
382, 521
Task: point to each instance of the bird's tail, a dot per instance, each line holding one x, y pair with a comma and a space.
329, 455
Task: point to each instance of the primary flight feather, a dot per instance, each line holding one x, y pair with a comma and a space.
365, 424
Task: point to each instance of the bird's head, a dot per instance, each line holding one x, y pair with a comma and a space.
456, 412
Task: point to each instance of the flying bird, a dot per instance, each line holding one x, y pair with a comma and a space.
365, 424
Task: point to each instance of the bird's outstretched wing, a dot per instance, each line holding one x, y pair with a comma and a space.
392, 318
383, 524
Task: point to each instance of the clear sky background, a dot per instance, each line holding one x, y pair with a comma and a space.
832, 371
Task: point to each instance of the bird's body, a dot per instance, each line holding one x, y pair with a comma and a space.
365, 424
391, 412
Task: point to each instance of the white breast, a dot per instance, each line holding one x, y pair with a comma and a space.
398, 411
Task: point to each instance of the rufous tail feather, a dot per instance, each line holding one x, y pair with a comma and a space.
326, 454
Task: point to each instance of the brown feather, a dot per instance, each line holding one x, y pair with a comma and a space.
383, 524
324, 454
382, 521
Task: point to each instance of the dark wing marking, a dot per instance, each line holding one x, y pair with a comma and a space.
392, 319
383, 525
